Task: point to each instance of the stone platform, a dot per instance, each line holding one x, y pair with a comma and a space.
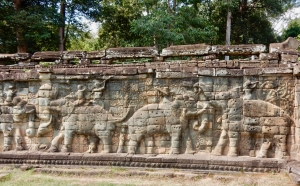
199, 161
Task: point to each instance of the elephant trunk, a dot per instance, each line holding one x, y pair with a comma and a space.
119, 120
44, 128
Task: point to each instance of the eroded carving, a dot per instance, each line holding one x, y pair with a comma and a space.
217, 107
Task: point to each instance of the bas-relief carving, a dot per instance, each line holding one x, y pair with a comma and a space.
209, 114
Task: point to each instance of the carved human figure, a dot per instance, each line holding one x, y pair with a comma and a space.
195, 101
45, 94
98, 90
10, 93
23, 114
230, 121
165, 94
6, 126
249, 88
276, 92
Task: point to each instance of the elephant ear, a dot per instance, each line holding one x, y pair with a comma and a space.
253, 85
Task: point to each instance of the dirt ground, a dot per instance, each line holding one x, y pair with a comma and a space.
110, 176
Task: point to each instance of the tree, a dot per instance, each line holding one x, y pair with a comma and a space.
172, 23
250, 19
70, 13
115, 19
292, 30
27, 26
81, 39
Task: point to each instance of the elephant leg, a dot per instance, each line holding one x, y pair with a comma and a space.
189, 144
264, 150
149, 144
233, 143
7, 133
68, 139
221, 143
282, 145
121, 141
106, 144
56, 141
7, 143
93, 144
209, 144
18, 139
106, 140
133, 143
175, 143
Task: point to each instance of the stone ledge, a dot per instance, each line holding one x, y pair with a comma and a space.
201, 161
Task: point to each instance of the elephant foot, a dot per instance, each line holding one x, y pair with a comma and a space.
261, 156
65, 148
91, 151
217, 151
7, 148
190, 151
19, 148
53, 149
174, 151
120, 150
131, 152
232, 151
106, 149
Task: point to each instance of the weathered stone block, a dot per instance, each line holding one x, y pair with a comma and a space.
268, 56
288, 58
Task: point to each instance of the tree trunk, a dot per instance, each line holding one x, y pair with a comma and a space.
62, 45
228, 31
244, 15
21, 41
228, 27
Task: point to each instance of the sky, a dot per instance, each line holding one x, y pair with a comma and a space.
282, 22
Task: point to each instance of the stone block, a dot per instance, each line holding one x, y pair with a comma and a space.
253, 71
169, 74
270, 130
186, 50
268, 56
289, 58
228, 72
290, 44
273, 121
206, 71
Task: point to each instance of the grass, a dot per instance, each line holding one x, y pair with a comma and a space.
16, 177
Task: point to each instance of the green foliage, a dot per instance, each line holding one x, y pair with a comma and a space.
46, 64
115, 22
292, 30
33, 24
162, 28
250, 21
81, 39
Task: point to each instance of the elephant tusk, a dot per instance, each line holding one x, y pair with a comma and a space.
118, 120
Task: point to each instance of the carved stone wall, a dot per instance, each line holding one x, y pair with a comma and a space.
231, 108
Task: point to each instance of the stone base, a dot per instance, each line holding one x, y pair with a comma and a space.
200, 161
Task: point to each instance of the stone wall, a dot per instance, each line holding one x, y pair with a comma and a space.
241, 107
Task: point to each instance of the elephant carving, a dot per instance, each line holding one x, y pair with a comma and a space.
167, 117
254, 117
89, 120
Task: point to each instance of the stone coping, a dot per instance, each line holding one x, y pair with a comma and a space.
199, 161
